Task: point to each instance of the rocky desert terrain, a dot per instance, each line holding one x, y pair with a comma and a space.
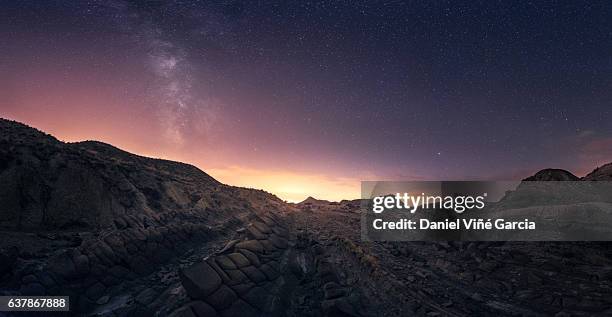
125, 235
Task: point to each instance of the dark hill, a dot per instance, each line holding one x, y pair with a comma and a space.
552, 174
87, 219
48, 184
602, 173
126, 235
313, 201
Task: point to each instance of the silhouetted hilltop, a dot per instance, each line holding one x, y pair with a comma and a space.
320, 205
49, 184
91, 221
552, 174
126, 235
603, 173
311, 200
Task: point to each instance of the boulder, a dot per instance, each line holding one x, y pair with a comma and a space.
254, 274
268, 221
240, 289
239, 259
200, 280
259, 298
236, 277
261, 227
251, 256
251, 245
255, 233
268, 246
213, 264
225, 263
222, 298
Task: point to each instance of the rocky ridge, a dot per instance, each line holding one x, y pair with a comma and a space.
125, 235
602, 173
552, 174
107, 227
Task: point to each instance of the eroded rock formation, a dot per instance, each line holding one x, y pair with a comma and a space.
125, 235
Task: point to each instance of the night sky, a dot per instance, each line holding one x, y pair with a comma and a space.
308, 98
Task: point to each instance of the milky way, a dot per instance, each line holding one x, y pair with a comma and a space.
180, 110
311, 97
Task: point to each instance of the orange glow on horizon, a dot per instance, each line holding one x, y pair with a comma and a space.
290, 186
286, 184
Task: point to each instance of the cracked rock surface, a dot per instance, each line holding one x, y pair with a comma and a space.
125, 235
